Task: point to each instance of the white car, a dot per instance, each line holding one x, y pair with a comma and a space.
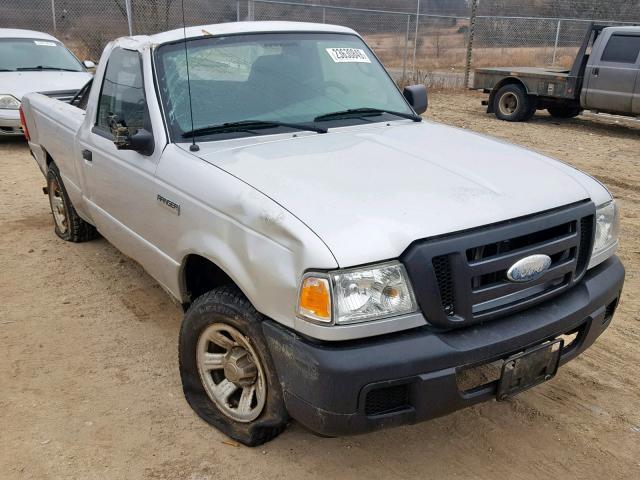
35, 62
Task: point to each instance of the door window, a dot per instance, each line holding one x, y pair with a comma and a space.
622, 49
123, 93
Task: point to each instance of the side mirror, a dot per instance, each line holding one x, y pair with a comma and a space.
141, 141
416, 95
89, 64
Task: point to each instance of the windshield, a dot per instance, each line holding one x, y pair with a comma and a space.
17, 54
287, 77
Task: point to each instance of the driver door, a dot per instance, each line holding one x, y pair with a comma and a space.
120, 183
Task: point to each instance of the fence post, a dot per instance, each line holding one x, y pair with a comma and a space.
250, 10
237, 10
129, 22
324, 15
472, 27
415, 43
406, 52
53, 15
555, 45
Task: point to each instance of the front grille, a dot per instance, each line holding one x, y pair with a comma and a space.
62, 95
488, 264
468, 279
586, 243
387, 400
442, 269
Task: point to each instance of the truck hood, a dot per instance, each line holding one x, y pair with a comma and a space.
368, 192
21, 83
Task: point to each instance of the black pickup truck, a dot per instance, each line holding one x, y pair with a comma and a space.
604, 78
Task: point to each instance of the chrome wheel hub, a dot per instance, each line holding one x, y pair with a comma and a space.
239, 367
231, 372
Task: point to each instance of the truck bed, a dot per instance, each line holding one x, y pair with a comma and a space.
540, 72
545, 81
53, 125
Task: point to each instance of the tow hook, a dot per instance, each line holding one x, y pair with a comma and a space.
45, 190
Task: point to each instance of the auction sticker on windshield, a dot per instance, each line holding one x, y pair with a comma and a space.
44, 44
348, 55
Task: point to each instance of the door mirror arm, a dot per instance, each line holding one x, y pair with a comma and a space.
141, 141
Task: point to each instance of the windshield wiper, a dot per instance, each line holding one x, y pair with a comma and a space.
44, 67
365, 111
6, 70
247, 125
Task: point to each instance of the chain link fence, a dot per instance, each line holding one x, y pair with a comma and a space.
437, 42
530, 41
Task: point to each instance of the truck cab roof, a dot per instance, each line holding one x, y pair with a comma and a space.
232, 28
625, 29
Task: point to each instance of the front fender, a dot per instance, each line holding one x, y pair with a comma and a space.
259, 244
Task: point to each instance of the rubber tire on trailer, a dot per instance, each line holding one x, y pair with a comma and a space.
77, 229
564, 112
228, 305
525, 105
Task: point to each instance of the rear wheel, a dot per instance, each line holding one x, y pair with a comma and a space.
511, 103
227, 373
564, 111
68, 224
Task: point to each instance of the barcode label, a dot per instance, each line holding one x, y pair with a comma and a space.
348, 55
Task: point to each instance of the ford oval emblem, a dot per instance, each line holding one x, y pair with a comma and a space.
529, 268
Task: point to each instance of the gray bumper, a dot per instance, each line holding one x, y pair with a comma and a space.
10, 123
326, 385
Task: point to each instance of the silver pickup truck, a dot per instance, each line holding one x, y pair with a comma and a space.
604, 78
339, 259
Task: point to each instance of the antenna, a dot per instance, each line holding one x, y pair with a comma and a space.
193, 147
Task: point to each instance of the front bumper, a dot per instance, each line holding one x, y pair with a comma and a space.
327, 386
10, 123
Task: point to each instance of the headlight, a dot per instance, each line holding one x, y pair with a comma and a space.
357, 294
606, 237
9, 102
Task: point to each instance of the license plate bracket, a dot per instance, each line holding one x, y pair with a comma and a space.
529, 368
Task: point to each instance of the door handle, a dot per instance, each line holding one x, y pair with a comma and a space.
596, 71
87, 155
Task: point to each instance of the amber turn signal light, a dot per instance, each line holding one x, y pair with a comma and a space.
315, 299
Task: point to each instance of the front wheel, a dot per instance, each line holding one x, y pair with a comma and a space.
227, 373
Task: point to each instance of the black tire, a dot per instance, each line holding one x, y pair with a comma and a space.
227, 305
72, 228
564, 111
512, 104
533, 107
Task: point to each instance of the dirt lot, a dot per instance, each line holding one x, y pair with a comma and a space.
89, 384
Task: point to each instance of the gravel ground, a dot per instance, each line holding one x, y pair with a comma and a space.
89, 385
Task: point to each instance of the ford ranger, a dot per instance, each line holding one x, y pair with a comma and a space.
340, 260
